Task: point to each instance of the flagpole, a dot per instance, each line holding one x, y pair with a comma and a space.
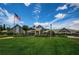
14, 20
16, 17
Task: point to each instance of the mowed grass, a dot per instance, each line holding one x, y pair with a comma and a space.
39, 46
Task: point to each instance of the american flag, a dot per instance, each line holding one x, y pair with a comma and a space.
16, 16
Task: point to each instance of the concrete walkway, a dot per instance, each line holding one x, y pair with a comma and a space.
6, 37
73, 37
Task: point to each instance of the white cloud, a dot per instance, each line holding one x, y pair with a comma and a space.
1, 14
69, 24
59, 26
62, 7
1, 10
36, 11
9, 18
45, 24
76, 21
60, 16
75, 5
7, 13
27, 4
54, 25
73, 24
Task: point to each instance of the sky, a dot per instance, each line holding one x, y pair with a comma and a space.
60, 15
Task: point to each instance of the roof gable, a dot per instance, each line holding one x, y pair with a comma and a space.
64, 30
17, 26
38, 27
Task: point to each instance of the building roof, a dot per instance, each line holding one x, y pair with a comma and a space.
38, 27
64, 30
16, 26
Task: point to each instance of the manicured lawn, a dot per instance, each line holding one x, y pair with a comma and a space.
39, 46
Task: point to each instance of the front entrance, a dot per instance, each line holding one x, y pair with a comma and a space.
37, 32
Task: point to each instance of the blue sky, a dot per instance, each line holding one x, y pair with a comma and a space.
58, 14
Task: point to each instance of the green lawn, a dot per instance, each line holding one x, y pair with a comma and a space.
39, 46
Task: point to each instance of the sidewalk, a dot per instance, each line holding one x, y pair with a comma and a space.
72, 37
6, 37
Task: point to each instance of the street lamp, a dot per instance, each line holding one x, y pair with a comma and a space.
50, 30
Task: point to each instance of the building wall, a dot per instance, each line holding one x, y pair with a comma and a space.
18, 30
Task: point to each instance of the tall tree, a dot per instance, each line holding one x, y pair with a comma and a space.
25, 28
8, 28
1, 28
4, 27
